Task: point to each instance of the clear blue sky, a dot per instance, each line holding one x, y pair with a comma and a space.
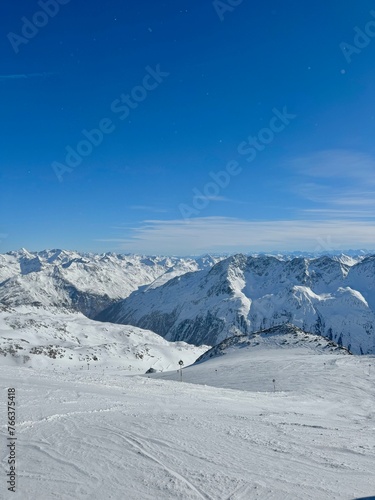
224, 72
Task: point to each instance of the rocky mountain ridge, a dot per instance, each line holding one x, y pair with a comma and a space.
87, 283
243, 294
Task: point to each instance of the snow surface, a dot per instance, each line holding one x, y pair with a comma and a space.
225, 435
279, 337
38, 338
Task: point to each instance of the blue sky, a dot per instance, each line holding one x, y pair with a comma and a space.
267, 82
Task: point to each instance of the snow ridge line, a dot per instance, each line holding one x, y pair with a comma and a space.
140, 446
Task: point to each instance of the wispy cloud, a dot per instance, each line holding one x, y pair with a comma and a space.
347, 213
225, 234
223, 199
148, 208
337, 163
24, 76
334, 196
340, 183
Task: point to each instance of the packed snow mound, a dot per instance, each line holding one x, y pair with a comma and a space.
329, 296
84, 282
53, 339
279, 337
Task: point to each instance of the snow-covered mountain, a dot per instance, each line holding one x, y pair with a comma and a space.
278, 404
285, 336
84, 282
329, 296
42, 338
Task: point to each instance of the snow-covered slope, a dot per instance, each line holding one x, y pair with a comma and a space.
52, 339
285, 336
84, 282
328, 296
264, 361
93, 435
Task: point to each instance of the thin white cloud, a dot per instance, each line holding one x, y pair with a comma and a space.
337, 163
340, 183
224, 234
148, 208
335, 197
365, 199
22, 76
220, 199
312, 191
350, 214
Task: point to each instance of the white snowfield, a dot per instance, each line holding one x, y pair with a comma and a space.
50, 338
225, 435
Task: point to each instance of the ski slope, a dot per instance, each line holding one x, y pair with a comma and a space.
224, 435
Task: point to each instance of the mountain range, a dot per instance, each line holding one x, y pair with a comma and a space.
87, 283
330, 296
198, 301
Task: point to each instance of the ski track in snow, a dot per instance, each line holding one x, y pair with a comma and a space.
84, 435
141, 447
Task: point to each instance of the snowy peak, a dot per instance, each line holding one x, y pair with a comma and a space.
205, 300
85, 282
244, 294
278, 337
